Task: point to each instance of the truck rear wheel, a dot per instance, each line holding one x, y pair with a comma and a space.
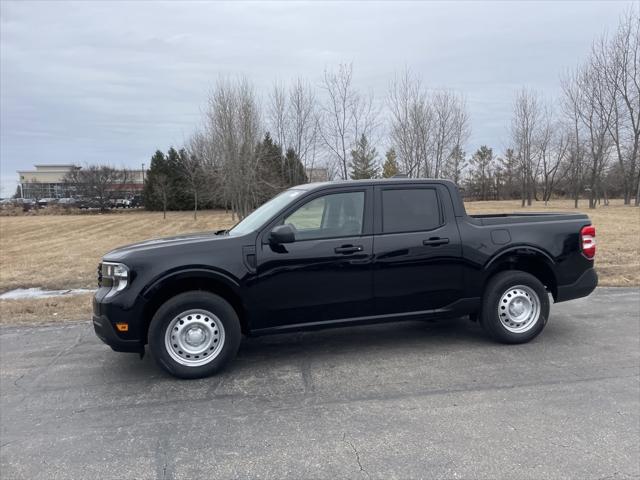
194, 334
515, 307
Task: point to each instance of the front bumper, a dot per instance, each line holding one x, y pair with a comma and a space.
105, 332
104, 318
586, 284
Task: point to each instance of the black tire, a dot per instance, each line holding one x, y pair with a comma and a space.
499, 285
185, 302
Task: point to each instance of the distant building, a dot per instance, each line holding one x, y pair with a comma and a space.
317, 174
49, 181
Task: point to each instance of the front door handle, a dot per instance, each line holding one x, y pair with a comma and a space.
346, 249
435, 241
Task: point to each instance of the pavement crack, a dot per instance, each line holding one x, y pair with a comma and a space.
16, 383
163, 471
307, 380
357, 454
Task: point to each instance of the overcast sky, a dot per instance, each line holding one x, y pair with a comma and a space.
111, 82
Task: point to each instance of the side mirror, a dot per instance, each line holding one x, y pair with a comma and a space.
282, 234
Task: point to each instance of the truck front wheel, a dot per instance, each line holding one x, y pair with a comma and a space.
515, 307
194, 334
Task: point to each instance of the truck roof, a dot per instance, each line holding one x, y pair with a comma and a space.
456, 198
373, 181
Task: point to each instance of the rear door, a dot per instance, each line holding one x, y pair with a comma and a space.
326, 273
417, 249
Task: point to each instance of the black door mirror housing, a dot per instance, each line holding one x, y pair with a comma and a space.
282, 234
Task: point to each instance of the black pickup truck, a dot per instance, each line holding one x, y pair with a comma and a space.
340, 254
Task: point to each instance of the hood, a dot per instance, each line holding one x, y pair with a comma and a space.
156, 243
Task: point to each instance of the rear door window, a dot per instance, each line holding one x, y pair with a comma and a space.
410, 210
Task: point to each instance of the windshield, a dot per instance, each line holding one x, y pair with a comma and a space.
263, 213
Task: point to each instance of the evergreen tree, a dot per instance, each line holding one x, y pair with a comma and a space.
275, 171
455, 165
164, 185
294, 173
510, 173
363, 160
390, 166
181, 198
153, 199
270, 167
481, 173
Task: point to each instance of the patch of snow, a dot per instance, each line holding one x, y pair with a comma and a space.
35, 293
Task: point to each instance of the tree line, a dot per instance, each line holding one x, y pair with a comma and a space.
584, 144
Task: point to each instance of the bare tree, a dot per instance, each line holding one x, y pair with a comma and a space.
524, 129
552, 146
411, 123
346, 115
100, 183
575, 160
293, 119
233, 128
277, 114
303, 122
618, 64
587, 94
191, 166
162, 189
450, 127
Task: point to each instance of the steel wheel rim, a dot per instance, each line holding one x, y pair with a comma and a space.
194, 337
519, 309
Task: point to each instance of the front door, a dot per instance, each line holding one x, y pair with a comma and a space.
417, 250
325, 274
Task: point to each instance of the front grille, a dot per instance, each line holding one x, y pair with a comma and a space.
99, 274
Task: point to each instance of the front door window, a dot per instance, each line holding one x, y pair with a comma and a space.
329, 216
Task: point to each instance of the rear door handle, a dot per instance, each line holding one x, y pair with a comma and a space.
346, 249
435, 241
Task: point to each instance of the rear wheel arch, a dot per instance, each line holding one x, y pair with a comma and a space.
183, 282
526, 259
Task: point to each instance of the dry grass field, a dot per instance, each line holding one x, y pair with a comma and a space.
62, 252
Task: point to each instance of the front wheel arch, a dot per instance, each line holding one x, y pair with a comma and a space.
190, 281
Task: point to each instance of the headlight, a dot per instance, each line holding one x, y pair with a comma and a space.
115, 276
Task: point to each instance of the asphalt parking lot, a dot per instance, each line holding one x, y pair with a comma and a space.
405, 400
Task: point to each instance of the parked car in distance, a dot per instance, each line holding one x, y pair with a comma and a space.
340, 254
67, 202
122, 203
25, 203
88, 203
45, 202
136, 201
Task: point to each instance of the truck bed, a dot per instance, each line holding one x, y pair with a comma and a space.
491, 219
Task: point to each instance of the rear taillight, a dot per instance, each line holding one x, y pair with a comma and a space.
588, 241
